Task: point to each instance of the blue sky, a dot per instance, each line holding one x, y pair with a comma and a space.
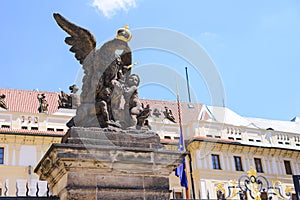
253, 44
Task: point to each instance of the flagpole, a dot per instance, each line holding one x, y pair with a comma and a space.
181, 145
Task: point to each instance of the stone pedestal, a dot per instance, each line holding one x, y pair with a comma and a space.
95, 163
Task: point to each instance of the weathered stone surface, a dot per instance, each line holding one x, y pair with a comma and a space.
132, 195
78, 193
112, 137
156, 183
120, 182
77, 169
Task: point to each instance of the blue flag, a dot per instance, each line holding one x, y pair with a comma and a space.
180, 172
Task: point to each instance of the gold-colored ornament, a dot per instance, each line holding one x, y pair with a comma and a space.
130, 66
220, 187
234, 192
124, 34
252, 172
288, 189
257, 197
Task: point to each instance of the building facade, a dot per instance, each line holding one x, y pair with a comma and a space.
25, 136
223, 146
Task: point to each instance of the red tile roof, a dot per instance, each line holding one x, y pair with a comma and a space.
187, 114
30, 132
26, 100
169, 141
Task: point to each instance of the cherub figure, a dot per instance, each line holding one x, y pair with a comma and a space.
135, 112
132, 106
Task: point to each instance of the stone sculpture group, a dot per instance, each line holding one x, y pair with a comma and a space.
109, 96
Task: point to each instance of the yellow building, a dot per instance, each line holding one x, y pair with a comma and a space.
222, 145
25, 136
225, 146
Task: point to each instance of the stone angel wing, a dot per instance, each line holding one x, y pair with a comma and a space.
81, 40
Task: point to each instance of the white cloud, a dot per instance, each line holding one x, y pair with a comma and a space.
110, 7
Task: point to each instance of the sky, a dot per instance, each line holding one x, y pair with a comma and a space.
252, 47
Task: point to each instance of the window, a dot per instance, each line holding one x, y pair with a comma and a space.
34, 128
50, 129
215, 161
5, 126
178, 195
288, 168
24, 127
1, 155
258, 165
238, 163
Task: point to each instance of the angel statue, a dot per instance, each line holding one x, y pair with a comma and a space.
105, 78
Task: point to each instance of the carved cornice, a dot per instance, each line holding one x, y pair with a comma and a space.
195, 145
247, 151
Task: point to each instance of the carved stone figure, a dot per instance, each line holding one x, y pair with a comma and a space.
132, 106
156, 113
43, 104
69, 100
64, 100
142, 122
74, 96
169, 115
2, 102
106, 80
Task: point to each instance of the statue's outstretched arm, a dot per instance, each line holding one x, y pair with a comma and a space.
81, 40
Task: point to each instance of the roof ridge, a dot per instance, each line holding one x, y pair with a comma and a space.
27, 90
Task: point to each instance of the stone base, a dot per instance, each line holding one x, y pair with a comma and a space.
95, 163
